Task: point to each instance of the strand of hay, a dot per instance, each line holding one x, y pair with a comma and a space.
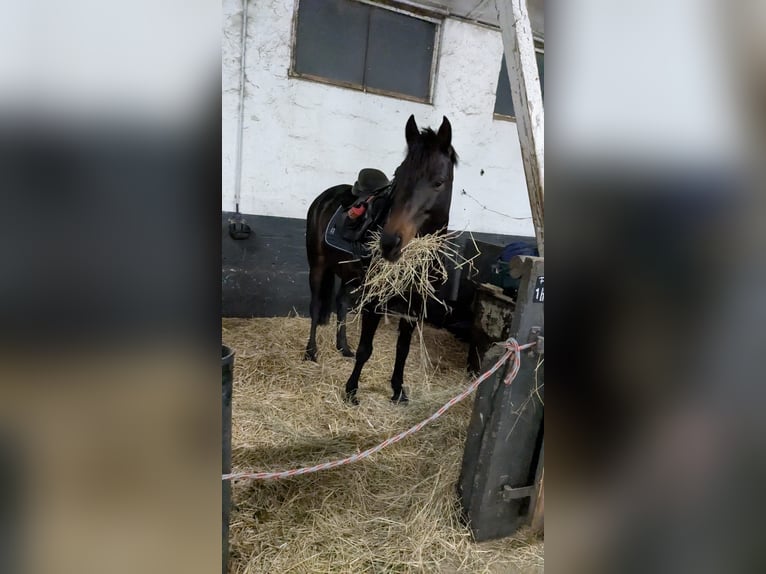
395, 512
423, 264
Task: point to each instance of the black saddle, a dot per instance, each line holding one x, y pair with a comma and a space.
368, 182
372, 199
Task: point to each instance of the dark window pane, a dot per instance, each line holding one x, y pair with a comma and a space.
503, 101
400, 53
331, 39
540, 57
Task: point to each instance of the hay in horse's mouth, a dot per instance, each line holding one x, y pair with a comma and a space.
415, 277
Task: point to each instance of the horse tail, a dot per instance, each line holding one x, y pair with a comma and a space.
326, 291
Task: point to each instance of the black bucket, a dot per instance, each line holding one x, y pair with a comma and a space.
227, 377
11, 510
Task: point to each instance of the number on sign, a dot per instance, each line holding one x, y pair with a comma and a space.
540, 290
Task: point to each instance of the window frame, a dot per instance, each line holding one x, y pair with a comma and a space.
413, 12
540, 49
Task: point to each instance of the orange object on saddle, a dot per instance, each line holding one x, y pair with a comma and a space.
356, 211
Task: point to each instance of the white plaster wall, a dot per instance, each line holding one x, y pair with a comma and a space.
301, 137
230, 70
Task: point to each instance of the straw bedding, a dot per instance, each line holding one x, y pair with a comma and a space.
393, 512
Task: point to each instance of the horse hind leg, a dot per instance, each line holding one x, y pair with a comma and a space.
311, 346
341, 340
318, 283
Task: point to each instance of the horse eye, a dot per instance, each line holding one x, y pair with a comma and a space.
438, 184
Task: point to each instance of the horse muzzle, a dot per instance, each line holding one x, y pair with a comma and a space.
397, 233
391, 246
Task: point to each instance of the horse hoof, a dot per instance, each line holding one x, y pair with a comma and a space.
351, 398
310, 356
400, 398
347, 352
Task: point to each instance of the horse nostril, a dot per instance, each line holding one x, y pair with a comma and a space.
389, 241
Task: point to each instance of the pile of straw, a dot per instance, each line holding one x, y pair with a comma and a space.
394, 512
422, 265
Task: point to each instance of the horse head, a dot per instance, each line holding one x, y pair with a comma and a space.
422, 188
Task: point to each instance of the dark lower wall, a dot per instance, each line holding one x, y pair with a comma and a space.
266, 275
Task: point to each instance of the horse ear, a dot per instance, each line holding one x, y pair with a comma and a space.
445, 134
411, 131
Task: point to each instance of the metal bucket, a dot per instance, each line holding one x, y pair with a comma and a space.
227, 377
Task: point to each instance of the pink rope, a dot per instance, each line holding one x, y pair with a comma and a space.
512, 349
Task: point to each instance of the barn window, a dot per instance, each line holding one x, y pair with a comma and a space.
365, 47
503, 101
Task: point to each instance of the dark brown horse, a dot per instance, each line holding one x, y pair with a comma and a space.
420, 197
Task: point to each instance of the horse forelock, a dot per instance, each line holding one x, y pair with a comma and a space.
420, 155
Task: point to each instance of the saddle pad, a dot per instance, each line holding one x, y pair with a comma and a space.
333, 235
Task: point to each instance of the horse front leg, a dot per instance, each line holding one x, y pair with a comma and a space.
341, 302
370, 321
402, 350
